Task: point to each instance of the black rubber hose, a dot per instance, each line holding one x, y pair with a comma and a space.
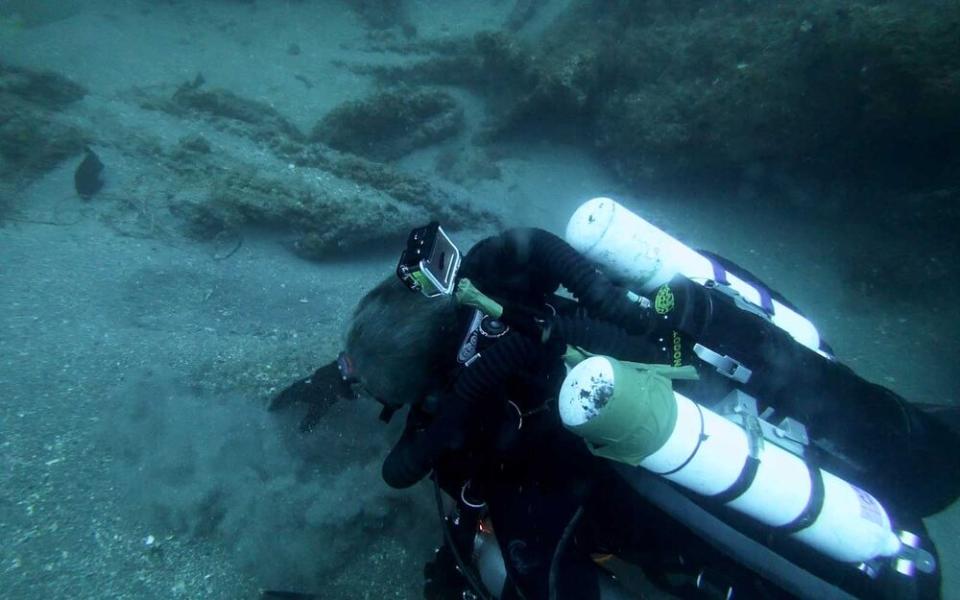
601, 337
554, 574
595, 291
526, 263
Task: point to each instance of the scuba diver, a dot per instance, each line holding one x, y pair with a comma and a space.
664, 409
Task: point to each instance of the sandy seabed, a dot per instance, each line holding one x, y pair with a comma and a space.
133, 467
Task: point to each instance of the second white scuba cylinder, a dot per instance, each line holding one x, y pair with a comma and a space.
631, 414
632, 249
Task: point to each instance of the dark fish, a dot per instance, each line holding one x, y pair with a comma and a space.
281, 595
87, 177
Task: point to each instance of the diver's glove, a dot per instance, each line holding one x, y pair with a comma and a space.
413, 456
318, 391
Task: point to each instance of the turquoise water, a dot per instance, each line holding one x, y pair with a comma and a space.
263, 161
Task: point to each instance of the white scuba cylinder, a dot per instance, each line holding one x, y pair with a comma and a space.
706, 453
634, 250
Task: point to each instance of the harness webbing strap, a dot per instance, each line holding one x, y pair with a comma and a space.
720, 276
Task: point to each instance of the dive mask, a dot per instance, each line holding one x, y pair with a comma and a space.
348, 373
353, 386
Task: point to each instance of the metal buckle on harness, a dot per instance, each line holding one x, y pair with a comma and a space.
725, 365
741, 408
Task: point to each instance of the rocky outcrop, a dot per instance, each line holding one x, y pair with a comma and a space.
391, 124
329, 201
32, 139
687, 90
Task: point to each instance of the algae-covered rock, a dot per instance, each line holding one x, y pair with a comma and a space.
231, 112
32, 144
320, 222
32, 139
450, 209
832, 89
323, 199
41, 88
671, 91
489, 62
391, 124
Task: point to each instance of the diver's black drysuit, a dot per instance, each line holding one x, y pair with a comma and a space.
496, 425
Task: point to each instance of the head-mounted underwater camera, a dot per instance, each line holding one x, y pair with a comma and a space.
430, 262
